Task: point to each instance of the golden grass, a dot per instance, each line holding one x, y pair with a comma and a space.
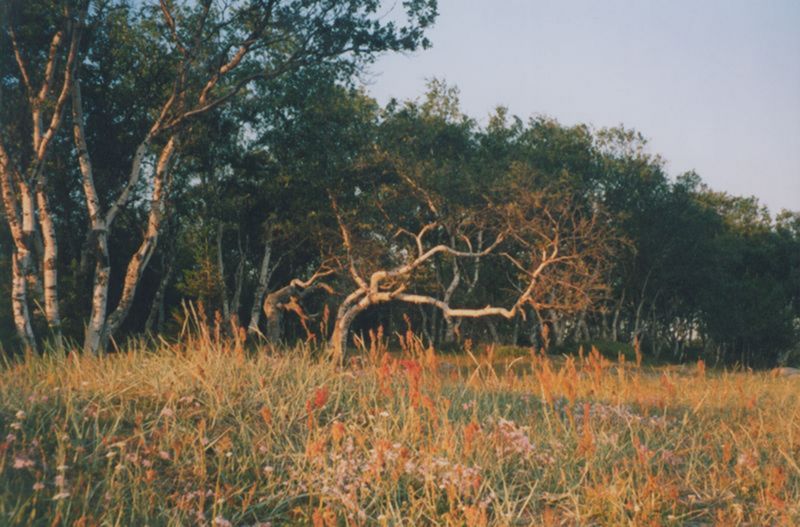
204, 433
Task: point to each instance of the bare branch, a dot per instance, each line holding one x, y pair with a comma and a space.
348, 246
23, 67
50, 68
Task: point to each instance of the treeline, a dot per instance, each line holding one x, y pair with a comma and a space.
155, 153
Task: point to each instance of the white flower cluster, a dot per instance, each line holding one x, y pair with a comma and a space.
348, 474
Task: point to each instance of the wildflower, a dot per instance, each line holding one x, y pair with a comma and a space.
59, 480
670, 458
747, 460
20, 415
38, 486
167, 412
16, 426
163, 454
337, 431
21, 462
513, 439
10, 438
320, 397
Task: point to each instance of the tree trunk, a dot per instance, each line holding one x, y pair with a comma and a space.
515, 331
558, 330
583, 328
261, 289
230, 306
426, 326
637, 321
276, 302
28, 239
355, 303
49, 266
21, 257
238, 281
44, 129
493, 331
19, 302
226, 310
141, 258
95, 330
450, 323
346, 314
615, 319
435, 327
274, 315
155, 318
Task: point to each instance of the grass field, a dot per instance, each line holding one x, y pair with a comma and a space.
205, 433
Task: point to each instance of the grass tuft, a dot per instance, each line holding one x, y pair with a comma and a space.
202, 433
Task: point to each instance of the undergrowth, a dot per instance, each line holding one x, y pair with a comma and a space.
206, 433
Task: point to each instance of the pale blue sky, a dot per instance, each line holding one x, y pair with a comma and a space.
714, 84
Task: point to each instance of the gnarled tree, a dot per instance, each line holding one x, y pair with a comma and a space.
553, 246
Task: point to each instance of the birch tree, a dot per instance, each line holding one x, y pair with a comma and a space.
45, 77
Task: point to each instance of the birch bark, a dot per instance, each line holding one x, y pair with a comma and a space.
261, 289
21, 257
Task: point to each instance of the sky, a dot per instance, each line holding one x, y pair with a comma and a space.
713, 84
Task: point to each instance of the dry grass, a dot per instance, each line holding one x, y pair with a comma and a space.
203, 433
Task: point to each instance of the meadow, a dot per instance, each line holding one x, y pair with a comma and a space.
209, 432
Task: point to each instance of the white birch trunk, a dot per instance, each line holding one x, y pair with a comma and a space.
450, 323
26, 262
49, 266
95, 331
141, 258
19, 306
261, 289
101, 325
21, 256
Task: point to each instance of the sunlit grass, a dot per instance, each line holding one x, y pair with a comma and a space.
204, 433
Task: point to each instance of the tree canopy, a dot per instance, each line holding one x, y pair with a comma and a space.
223, 153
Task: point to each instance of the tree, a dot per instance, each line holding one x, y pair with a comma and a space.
541, 236
42, 81
216, 52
